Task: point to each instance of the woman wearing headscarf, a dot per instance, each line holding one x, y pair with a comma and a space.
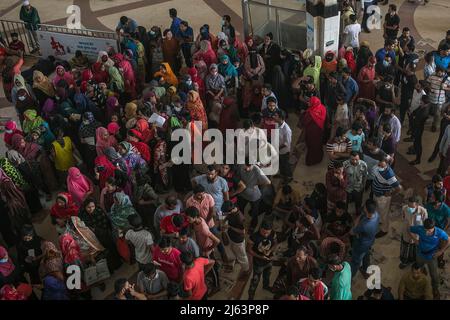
43, 136
62, 74
26, 191
130, 113
202, 69
120, 211
116, 81
42, 87
104, 140
116, 159
366, 77
160, 163
229, 72
215, 85
54, 287
205, 54
49, 110
10, 273
254, 69
51, 261
79, 186
198, 81
134, 137
104, 59
129, 77
10, 130
20, 84
103, 170
132, 157
66, 107
62, 210
96, 219
18, 210
144, 129
87, 134
29, 253
351, 63
313, 126
24, 102
196, 109
225, 48
62, 154
33, 163
165, 71
171, 50
112, 107
364, 53
31, 121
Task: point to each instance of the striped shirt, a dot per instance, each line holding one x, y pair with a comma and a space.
383, 181
437, 92
338, 147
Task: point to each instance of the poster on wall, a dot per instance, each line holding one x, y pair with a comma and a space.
63, 46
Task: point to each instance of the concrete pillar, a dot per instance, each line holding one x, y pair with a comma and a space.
313, 12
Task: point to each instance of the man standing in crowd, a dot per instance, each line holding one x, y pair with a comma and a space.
356, 172
30, 16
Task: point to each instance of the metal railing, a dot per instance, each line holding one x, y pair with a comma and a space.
288, 25
7, 27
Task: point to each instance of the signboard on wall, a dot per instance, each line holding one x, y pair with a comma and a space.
63, 46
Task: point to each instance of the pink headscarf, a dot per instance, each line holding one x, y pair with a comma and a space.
67, 76
102, 143
78, 185
113, 128
6, 268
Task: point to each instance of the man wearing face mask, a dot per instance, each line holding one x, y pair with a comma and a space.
433, 242
413, 215
384, 185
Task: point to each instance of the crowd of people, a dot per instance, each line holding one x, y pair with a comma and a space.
98, 136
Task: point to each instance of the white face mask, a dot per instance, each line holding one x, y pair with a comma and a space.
189, 83
178, 109
86, 122
21, 98
8, 131
5, 260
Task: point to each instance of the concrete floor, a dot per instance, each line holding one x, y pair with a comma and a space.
430, 23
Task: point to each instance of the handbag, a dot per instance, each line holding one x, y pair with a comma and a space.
96, 273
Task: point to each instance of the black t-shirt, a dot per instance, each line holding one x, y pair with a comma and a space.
340, 224
236, 220
262, 246
390, 22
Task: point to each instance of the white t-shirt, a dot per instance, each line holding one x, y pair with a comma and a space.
352, 31
141, 241
415, 101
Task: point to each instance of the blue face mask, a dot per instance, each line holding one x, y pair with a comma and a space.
411, 210
5, 260
386, 63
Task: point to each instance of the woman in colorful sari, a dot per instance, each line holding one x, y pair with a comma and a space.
79, 186
62, 74
104, 140
201, 89
313, 125
160, 162
96, 219
24, 102
120, 211
196, 109
165, 71
42, 87
116, 81
132, 157
205, 54
31, 121
100, 72
143, 127
215, 85
10, 130
171, 50
31, 195
130, 116
34, 164
202, 70
18, 210
20, 84
62, 210
51, 261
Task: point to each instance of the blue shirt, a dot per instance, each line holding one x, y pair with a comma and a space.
351, 89
428, 245
383, 181
356, 141
381, 54
215, 189
130, 27
366, 230
442, 62
175, 27
439, 215
186, 35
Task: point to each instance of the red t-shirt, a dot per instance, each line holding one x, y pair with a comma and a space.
170, 263
169, 227
194, 279
447, 187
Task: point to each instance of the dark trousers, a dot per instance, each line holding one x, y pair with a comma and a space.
356, 197
254, 209
285, 166
418, 132
360, 258
443, 165
215, 231
186, 49
404, 106
258, 270
407, 252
